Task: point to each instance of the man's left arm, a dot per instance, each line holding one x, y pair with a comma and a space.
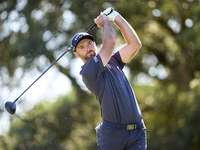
133, 44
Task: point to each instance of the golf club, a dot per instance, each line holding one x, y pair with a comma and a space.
11, 106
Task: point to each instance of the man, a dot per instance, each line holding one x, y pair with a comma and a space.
122, 127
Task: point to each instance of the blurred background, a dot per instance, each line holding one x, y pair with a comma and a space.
58, 112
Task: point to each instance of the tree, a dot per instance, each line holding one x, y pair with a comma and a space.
165, 74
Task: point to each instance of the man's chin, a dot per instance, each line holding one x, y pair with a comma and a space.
91, 54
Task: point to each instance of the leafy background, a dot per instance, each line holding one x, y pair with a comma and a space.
165, 74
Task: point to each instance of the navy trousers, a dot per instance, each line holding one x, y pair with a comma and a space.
117, 137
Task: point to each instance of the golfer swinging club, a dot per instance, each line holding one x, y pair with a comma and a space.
122, 127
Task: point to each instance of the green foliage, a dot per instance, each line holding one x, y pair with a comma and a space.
60, 125
165, 74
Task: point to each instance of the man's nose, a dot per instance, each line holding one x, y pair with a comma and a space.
87, 48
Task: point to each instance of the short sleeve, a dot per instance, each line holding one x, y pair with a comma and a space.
117, 57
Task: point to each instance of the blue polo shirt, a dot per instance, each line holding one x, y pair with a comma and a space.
112, 90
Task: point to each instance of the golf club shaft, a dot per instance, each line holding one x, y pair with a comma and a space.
45, 72
91, 28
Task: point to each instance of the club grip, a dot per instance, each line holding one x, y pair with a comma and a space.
94, 25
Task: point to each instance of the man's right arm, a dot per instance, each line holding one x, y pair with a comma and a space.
109, 38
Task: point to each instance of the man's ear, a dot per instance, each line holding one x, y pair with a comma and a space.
95, 43
76, 54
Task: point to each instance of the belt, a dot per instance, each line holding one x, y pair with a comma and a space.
131, 126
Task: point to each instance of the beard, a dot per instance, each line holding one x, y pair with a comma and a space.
89, 55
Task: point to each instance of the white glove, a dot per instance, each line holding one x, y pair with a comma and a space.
111, 13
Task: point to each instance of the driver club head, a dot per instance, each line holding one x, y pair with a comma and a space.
10, 107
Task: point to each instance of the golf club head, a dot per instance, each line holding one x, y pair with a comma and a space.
10, 107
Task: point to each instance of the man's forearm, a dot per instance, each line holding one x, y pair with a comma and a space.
109, 34
109, 38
